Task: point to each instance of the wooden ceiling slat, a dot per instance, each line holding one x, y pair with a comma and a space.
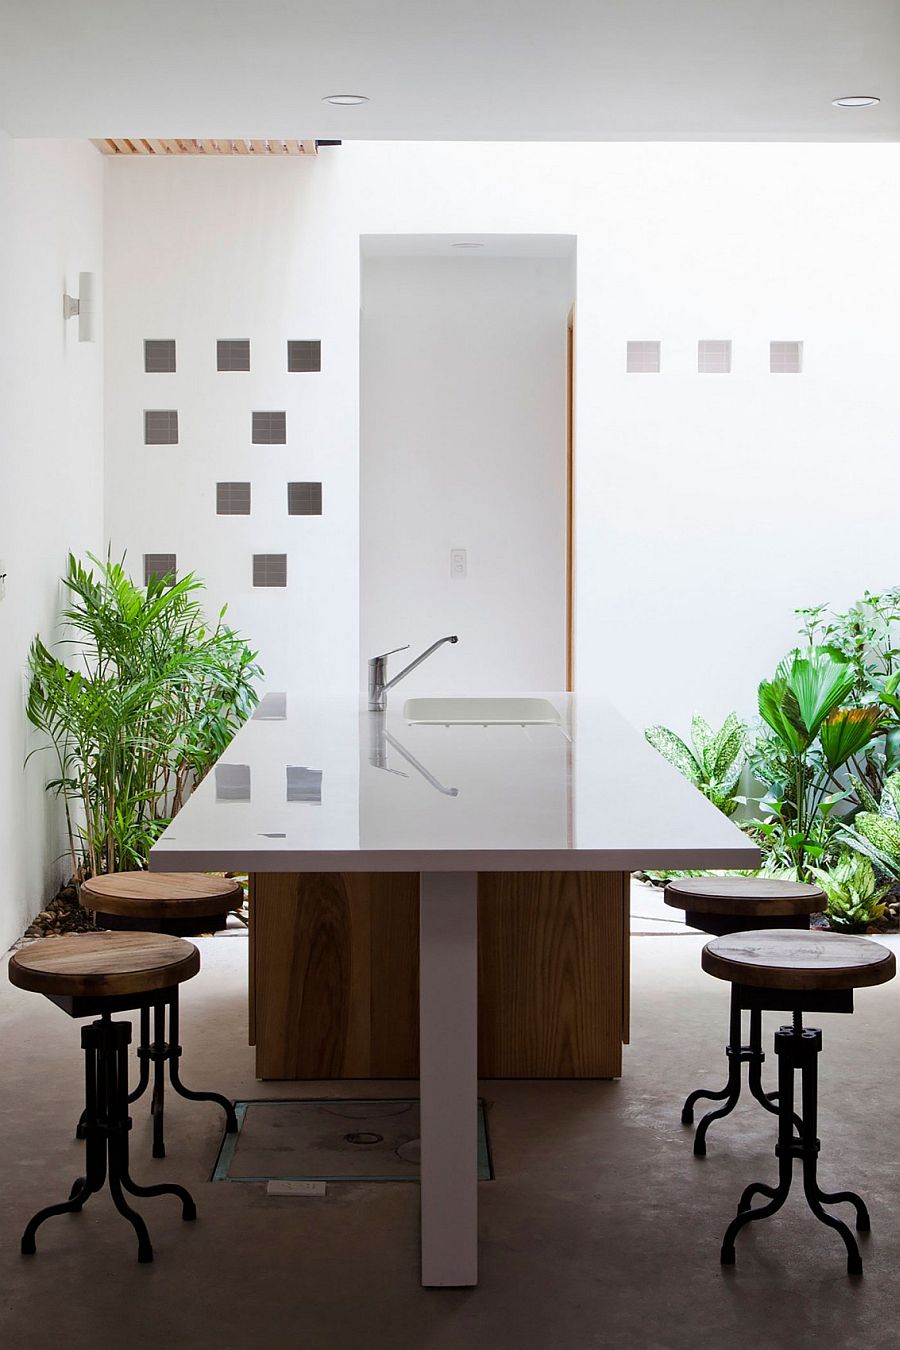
135, 145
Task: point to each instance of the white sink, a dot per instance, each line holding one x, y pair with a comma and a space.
481, 711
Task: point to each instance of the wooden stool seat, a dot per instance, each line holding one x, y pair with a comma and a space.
103, 965
785, 959
744, 897
161, 895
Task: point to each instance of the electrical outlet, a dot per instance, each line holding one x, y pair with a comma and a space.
307, 1188
458, 563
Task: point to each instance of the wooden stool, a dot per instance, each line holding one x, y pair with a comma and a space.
172, 901
797, 972
103, 973
180, 903
720, 905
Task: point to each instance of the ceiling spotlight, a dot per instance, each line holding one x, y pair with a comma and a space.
468, 243
856, 101
345, 100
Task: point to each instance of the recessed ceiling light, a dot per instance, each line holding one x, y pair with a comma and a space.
856, 101
345, 100
469, 243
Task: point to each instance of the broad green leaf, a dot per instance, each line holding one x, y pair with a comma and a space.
727, 747
890, 797
702, 739
847, 731
779, 708
881, 831
819, 680
673, 748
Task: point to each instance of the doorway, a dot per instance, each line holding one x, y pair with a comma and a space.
466, 499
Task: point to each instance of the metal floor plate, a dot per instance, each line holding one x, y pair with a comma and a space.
330, 1139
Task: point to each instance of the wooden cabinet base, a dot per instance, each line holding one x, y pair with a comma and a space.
334, 974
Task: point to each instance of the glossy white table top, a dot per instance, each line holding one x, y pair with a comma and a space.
325, 785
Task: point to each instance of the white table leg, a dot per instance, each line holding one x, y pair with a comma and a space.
448, 1013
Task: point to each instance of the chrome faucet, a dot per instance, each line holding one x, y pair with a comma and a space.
379, 684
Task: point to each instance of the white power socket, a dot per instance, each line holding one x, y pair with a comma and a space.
458, 564
307, 1188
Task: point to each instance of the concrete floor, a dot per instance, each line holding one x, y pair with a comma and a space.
601, 1229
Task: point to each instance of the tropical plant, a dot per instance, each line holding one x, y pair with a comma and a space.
713, 764
875, 832
152, 699
813, 737
868, 635
854, 896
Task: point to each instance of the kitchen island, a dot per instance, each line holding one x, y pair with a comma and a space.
319, 788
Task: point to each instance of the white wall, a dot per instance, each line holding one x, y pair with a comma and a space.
463, 445
52, 477
707, 506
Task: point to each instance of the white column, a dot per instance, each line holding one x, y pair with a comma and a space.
448, 1020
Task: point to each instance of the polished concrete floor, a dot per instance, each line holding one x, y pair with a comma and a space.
601, 1229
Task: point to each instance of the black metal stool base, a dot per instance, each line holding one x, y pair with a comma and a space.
105, 1127
798, 1048
159, 1049
737, 1053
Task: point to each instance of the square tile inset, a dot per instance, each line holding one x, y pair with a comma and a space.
232, 499
160, 426
304, 785
269, 428
159, 356
232, 782
304, 499
233, 354
270, 569
304, 356
158, 565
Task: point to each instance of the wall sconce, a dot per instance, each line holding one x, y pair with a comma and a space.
83, 306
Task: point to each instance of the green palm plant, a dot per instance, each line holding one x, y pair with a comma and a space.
814, 738
151, 700
714, 763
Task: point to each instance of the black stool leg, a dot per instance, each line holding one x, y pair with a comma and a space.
158, 1053
736, 1054
174, 1055
798, 1049
143, 1056
106, 1125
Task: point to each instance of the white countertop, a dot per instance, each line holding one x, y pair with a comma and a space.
329, 786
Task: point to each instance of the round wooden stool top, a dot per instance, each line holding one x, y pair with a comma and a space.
782, 958
754, 897
161, 895
100, 965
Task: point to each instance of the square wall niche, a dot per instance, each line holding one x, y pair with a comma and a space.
304, 356
159, 565
269, 428
233, 354
232, 499
270, 569
159, 356
642, 358
304, 499
160, 426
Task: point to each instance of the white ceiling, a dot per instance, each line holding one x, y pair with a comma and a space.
468, 70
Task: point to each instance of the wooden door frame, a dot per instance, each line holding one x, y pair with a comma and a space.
570, 501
